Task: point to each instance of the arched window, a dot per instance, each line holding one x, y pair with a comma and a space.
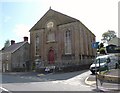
37, 42
68, 42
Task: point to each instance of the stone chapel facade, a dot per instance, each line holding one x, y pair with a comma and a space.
57, 38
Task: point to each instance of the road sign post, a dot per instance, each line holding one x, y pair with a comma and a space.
95, 46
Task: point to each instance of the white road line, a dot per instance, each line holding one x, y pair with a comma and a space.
5, 90
86, 79
89, 82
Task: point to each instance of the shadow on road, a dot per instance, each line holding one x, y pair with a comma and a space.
37, 77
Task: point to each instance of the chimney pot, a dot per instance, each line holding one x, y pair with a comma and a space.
25, 38
12, 42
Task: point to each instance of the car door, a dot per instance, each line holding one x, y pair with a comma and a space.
112, 63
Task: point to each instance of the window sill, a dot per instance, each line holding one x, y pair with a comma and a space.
51, 41
68, 53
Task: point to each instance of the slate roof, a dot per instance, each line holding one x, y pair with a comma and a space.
52, 14
115, 41
14, 47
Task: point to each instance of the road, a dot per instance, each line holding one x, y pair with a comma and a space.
72, 81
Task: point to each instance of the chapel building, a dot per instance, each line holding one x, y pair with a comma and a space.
58, 38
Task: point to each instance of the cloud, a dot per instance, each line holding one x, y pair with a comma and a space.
21, 30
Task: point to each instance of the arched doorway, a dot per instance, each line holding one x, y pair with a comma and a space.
51, 56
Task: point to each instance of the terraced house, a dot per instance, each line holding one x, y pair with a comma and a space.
60, 39
16, 56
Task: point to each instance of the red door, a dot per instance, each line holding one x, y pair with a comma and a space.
51, 57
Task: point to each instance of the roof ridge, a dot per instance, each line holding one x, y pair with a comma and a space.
23, 42
64, 14
14, 47
58, 13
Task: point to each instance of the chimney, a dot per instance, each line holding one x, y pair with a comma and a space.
25, 38
12, 42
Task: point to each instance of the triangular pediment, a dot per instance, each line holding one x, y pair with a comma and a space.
52, 14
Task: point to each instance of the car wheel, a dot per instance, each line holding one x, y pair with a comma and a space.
93, 72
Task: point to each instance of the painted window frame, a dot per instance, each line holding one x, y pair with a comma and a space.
68, 42
37, 44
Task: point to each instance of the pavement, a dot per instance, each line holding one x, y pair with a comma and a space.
105, 86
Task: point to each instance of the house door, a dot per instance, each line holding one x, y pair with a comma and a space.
51, 56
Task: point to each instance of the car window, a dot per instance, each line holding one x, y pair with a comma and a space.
102, 60
114, 59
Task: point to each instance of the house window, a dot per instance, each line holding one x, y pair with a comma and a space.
68, 43
51, 37
37, 42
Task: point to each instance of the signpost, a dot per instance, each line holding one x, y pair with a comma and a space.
95, 46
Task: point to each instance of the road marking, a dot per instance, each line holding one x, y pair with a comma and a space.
40, 74
3, 89
89, 82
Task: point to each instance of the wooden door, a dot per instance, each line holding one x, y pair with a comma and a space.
51, 56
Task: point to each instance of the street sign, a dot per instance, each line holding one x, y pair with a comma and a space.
95, 45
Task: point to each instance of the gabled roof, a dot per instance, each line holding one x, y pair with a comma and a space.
59, 17
114, 41
14, 47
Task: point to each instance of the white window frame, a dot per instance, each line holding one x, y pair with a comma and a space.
68, 42
37, 44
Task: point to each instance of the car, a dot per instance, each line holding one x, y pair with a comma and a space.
104, 62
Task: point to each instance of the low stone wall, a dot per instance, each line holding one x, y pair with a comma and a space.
70, 68
18, 70
109, 78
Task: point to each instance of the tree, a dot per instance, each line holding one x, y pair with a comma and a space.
107, 36
7, 44
101, 49
101, 45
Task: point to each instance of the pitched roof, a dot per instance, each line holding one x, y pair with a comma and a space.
59, 17
114, 41
14, 47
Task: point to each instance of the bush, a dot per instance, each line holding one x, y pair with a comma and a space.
102, 51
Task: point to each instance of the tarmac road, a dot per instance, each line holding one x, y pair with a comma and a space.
73, 81
35, 82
